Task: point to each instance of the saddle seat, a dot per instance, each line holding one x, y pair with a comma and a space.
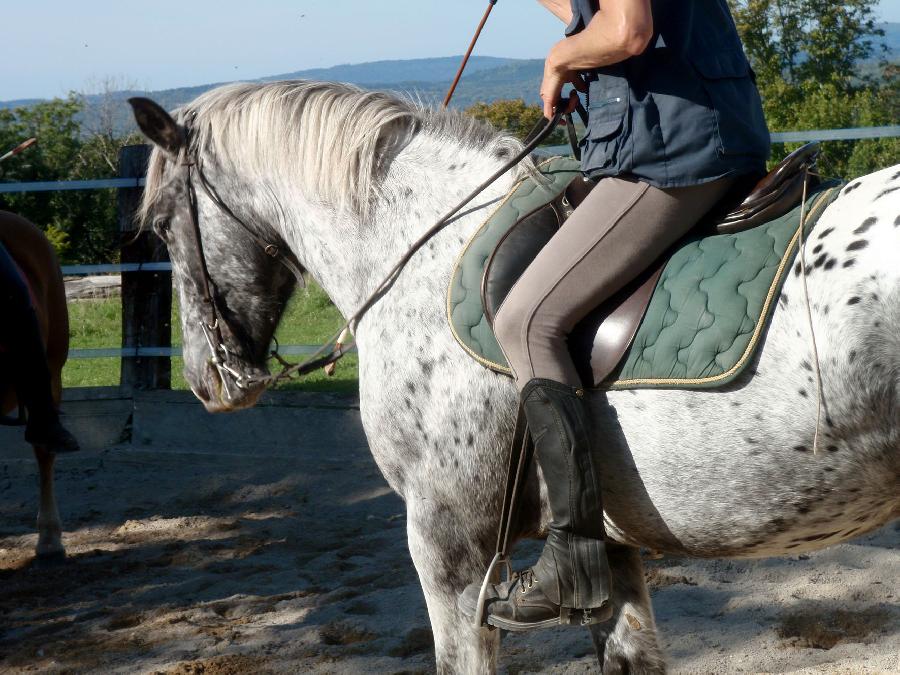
602, 339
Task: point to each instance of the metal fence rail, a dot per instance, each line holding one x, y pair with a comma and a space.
56, 185
135, 352
115, 268
854, 134
851, 134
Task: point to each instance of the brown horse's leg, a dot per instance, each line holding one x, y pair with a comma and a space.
49, 546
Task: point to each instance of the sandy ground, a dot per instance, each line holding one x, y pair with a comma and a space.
268, 542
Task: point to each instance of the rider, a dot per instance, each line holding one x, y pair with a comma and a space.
674, 119
26, 361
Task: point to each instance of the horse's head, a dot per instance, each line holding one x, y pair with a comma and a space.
232, 292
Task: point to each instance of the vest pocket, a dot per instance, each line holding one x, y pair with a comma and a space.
608, 102
733, 101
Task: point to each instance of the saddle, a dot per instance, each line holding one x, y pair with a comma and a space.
601, 339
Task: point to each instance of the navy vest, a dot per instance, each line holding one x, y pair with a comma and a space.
684, 112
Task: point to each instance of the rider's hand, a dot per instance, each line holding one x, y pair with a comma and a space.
555, 78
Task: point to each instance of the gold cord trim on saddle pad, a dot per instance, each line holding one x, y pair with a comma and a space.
822, 200
459, 294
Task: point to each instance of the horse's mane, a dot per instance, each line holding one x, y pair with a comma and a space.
326, 138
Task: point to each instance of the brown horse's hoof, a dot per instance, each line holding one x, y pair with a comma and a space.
52, 436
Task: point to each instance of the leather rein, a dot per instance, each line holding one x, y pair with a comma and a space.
222, 357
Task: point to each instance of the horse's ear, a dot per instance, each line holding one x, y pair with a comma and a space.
157, 124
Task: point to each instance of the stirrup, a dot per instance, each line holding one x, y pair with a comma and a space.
480, 620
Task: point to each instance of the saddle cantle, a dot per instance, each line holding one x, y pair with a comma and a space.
771, 197
605, 344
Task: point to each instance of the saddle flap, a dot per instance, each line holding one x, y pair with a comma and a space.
514, 252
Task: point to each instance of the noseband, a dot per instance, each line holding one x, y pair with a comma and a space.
221, 356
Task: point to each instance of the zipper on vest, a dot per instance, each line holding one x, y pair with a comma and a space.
609, 101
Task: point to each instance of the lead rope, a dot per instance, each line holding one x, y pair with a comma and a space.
812, 332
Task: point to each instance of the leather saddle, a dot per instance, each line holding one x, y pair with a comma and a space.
601, 339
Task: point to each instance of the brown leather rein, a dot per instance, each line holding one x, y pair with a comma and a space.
221, 356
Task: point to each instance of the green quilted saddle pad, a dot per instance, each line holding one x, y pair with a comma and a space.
464, 307
707, 313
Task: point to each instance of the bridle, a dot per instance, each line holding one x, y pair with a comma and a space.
222, 357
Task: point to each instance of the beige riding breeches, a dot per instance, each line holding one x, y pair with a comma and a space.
616, 233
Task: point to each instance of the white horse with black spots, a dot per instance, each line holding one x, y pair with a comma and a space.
347, 179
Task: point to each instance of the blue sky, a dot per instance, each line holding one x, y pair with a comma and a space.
63, 45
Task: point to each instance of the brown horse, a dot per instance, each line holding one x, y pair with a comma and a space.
36, 258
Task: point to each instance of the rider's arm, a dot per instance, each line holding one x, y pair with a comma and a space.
561, 9
619, 30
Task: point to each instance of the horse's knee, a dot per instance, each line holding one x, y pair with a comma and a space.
474, 651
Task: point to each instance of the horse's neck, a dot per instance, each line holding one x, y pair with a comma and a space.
350, 258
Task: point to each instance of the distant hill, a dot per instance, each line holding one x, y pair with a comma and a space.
487, 79
20, 103
440, 69
891, 38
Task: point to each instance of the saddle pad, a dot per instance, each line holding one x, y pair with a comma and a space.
464, 307
708, 310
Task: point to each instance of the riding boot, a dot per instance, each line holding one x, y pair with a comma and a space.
570, 582
32, 381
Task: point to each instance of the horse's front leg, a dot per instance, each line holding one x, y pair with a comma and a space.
627, 642
49, 546
447, 560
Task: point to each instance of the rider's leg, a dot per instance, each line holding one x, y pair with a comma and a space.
30, 375
615, 234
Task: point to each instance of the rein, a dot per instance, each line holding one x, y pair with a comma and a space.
333, 350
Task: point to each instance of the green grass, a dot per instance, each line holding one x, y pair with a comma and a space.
309, 319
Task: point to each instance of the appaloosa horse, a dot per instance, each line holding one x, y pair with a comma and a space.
344, 180
36, 258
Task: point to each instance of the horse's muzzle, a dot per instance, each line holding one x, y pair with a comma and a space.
219, 392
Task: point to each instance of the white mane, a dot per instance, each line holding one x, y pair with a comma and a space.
329, 139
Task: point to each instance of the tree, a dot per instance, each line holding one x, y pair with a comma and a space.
807, 56
81, 224
803, 40
515, 117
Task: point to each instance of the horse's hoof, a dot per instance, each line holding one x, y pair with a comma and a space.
44, 561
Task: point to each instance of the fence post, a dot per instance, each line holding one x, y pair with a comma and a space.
146, 296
